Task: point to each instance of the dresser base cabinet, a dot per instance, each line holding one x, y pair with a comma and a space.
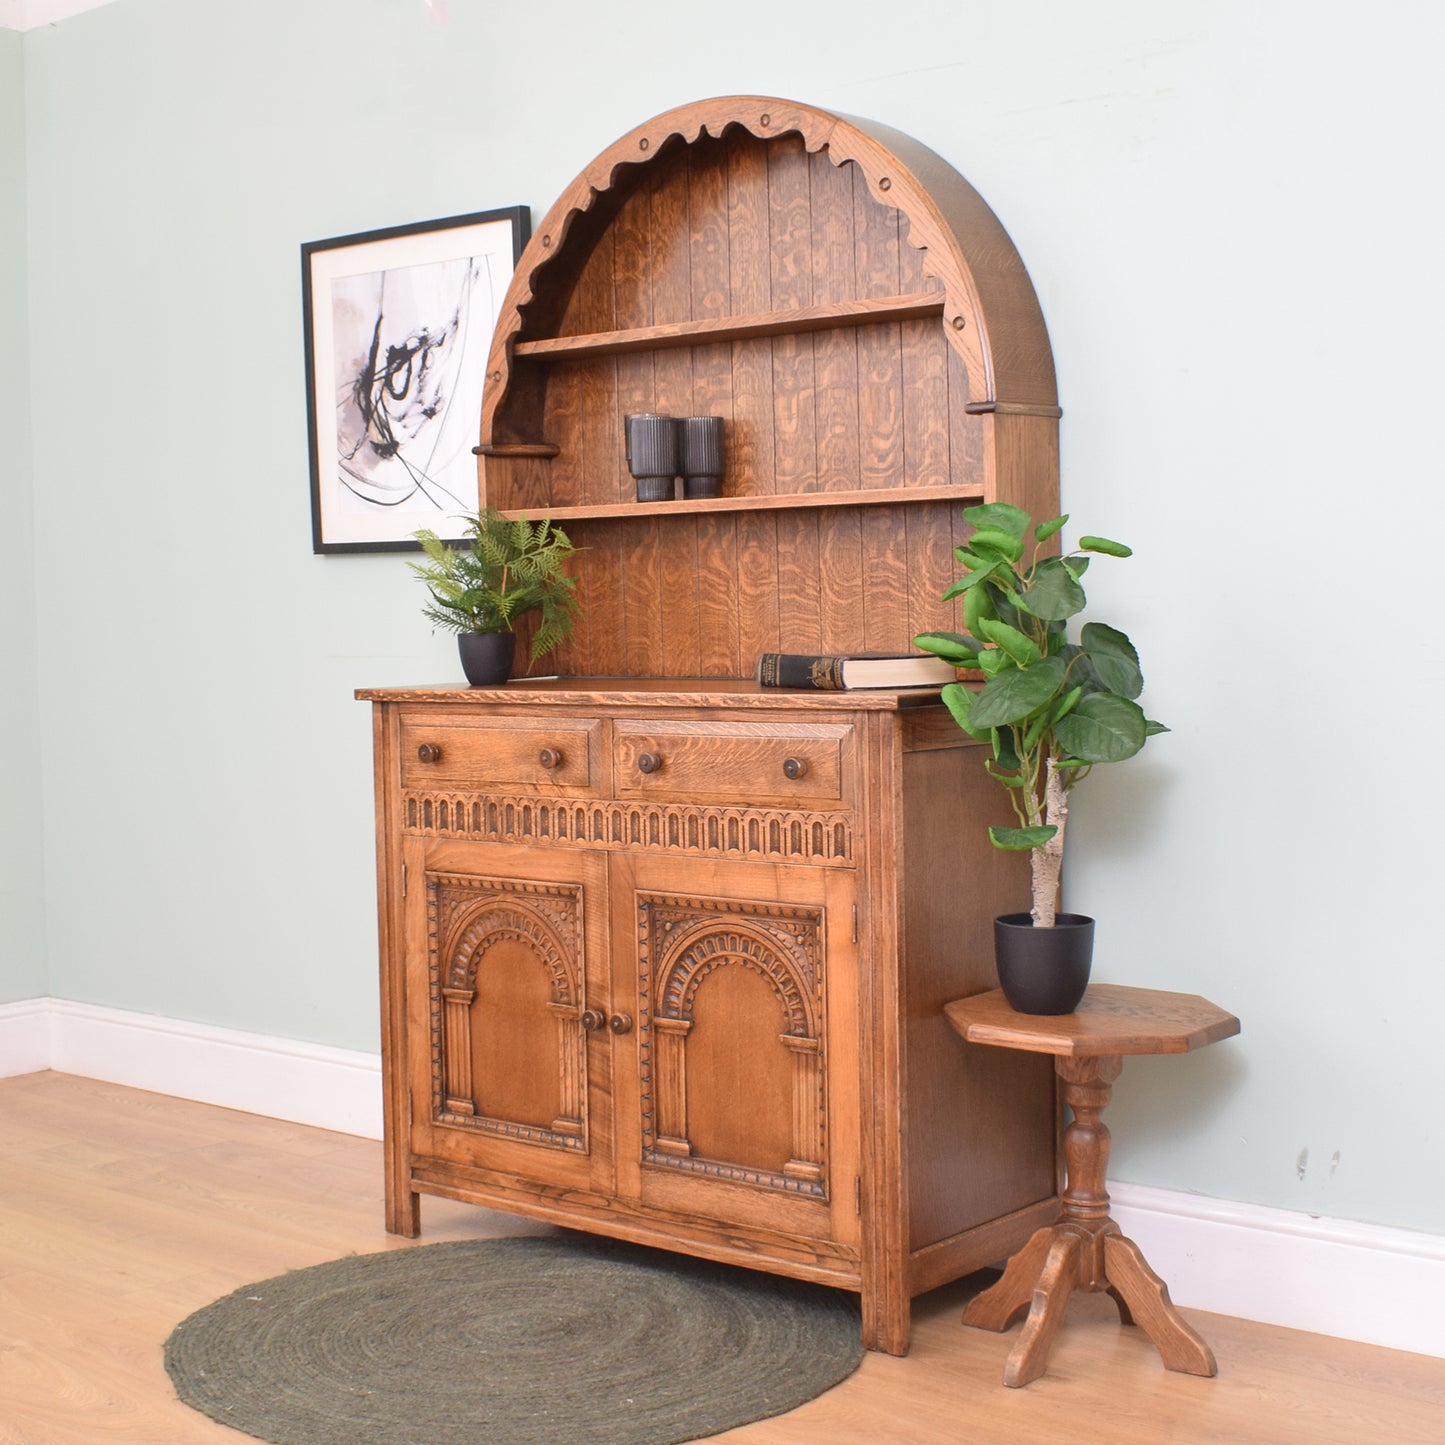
668, 964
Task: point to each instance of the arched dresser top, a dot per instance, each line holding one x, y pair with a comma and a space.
990, 314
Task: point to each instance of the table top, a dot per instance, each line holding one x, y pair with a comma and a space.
1113, 1019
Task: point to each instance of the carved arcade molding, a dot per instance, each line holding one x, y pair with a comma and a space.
680, 942
467, 916
764, 834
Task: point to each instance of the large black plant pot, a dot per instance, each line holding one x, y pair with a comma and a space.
1043, 970
487, 656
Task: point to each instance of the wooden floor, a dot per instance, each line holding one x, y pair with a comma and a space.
121, 1212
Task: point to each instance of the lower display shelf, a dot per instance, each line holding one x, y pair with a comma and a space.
781, 501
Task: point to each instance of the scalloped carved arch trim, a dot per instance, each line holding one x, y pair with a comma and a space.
964, 247
727, 941
495, 920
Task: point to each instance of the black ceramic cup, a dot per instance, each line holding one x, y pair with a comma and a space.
652, 455
703, 454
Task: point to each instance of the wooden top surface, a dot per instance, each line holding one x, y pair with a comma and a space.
654, 692
1113, 1019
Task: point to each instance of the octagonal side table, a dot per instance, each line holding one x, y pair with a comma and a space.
1084, 1249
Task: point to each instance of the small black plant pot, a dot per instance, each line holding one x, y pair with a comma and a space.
487, 656
1043, 970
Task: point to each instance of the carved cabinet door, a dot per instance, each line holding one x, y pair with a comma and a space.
506, 1009
737, 1095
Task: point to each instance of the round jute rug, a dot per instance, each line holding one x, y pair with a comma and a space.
566, 1341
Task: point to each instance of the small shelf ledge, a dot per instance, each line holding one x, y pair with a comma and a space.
691, 506
546, 450
738, 328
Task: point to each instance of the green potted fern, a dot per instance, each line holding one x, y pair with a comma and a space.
508, 568
1051, 710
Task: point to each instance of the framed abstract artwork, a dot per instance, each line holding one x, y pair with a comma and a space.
398, 326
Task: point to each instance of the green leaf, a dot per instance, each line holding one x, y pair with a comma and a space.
1104, 545
973, 561
1009, 779
1003, 598
1011, 695
991, 662
959, 700
955, 647
1080, 670
1013, 520
1035, 731
1005, 754
1152, 729
1077, 566
1113, 658
995, 539
1102, 729
1011, 640
1020, 840
1045, 530
1054, 593
1066, 704
977, 606
967, 582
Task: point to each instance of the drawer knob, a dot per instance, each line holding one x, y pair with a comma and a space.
593, 1019
429, 753
550, 757
620, 1023
794, 767
648, 762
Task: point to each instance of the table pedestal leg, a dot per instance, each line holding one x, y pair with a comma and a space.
1084, 1250
1147, 1296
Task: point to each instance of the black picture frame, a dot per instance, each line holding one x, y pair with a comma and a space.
398, 323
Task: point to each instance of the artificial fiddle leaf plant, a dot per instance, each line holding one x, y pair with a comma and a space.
1051, 709
509, 567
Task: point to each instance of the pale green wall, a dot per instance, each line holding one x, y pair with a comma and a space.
22, 933
1231, 215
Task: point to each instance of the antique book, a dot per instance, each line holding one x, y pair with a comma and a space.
854, 670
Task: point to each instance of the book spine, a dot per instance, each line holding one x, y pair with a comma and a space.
799, 670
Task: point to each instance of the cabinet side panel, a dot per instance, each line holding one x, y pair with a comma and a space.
402, 1214
1023, 459
980, 1120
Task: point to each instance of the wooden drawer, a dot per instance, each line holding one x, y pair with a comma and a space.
779, 765
524, 754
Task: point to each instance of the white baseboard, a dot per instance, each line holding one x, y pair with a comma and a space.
24, 1037
1330, 1276
305, 1083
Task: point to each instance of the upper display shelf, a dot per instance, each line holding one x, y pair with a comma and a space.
737, 328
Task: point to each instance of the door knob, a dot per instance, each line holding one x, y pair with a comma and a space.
593, 1019
794, 767
620, 1023
550, 757
429, 753
648, 762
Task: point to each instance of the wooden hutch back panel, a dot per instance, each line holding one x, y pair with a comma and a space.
774, 265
